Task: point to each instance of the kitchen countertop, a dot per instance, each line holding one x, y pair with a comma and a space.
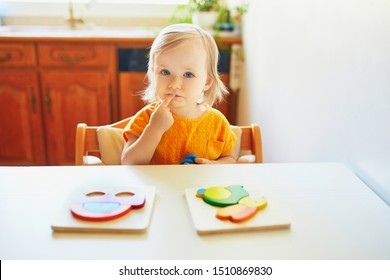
93, 33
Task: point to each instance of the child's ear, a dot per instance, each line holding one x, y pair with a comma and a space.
208, 84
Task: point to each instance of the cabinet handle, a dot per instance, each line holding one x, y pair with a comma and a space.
72, 60
33, 100
7, 56
48, 100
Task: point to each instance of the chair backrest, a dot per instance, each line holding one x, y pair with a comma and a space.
87, 143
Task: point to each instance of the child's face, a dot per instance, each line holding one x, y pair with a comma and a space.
182, 72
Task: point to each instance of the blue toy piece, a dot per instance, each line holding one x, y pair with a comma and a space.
190, 158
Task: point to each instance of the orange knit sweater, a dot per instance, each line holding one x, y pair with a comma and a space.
208, 136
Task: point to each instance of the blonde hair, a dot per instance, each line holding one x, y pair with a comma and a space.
172, 36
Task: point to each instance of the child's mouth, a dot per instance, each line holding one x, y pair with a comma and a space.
174, 95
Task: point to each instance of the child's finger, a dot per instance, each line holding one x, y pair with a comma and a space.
201, 160
167, 100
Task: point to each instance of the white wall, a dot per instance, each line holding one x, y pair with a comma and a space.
319, 83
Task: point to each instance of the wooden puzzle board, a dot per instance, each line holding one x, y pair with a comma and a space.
137, 220
205, 222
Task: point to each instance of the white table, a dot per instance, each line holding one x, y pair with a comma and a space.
333, 214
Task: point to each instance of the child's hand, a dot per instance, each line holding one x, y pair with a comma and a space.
203, 161
222, 159
162, 118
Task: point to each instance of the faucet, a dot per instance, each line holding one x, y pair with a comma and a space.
72, 20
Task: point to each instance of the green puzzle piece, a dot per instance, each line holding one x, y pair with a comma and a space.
222, 196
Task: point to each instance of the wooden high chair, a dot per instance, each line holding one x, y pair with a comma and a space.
89, 153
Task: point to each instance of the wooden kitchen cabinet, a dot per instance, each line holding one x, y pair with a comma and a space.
131, 86
22, 139
71, 98
17, 55
76, 86
46, 89
74, 55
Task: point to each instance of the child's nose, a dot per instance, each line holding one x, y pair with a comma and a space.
175, 83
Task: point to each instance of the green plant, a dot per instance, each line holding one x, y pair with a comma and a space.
183, 13
239, 11
204, 5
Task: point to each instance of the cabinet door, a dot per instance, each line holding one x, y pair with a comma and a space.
131, 85
21, 141
73, 97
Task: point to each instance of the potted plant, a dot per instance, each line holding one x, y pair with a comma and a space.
234, 16
205, 12
210, 14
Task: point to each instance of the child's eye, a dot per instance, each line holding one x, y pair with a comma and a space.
165, 72
189, 75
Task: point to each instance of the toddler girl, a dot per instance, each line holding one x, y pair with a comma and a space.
179, 119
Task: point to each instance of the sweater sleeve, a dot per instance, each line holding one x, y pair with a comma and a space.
138, 123
226, 134
230, 139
